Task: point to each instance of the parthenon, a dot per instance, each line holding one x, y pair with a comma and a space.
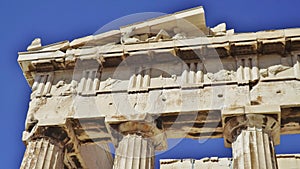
166, 77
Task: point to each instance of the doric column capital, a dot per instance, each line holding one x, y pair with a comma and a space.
143, 125
265, 118
136, 137
57, 134
44, 148
266, 124
251, 132
62, 138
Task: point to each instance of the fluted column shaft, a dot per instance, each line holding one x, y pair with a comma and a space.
252, 137
42, 154
134, 152
253, 149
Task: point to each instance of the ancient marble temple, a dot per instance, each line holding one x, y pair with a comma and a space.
167, 77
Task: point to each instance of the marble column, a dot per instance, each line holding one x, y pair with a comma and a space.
253, 149
252, 140
134, 152
136, 140
43, 153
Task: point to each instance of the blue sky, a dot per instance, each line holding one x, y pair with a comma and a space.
53, 21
